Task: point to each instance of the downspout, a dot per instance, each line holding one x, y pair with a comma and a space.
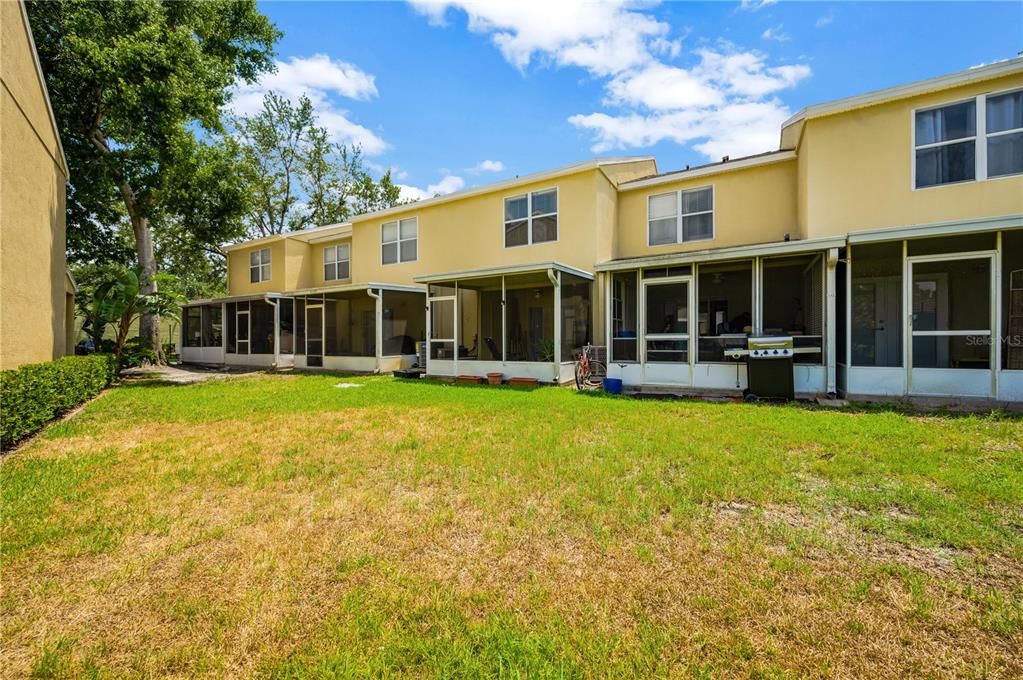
378, 331
277, 329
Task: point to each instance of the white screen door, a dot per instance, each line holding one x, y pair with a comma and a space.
666, 321
951, 303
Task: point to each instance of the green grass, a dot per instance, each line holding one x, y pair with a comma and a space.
278, 526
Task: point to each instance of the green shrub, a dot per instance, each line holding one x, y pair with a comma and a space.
34, 394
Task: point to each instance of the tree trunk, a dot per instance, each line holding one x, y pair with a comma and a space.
149, 324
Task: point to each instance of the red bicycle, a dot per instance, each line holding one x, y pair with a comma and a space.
590, 368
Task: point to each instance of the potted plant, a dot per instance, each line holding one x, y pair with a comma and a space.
495, 378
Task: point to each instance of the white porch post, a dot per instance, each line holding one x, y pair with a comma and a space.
504, 322
277, 332
556, 280
379, 331
830, 322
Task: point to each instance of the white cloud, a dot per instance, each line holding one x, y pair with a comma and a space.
489, 166
755, 5
447, 184
776, 33
824, 21
320, 78
649, 96
603, 37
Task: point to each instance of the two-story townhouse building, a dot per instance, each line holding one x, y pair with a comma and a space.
884, 238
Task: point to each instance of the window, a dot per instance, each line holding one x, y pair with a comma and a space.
259, 265
399, 241
212, 326
971, 140
531, 218
336, 262
1005, 134
192, 324
681, 217
946, 144
876, 299
624, 316
261, 328
202, 326
404, 322
725, 314
793, 303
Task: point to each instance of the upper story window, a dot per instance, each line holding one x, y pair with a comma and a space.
399, 240
1004, 123
531, 218
337, 262
259, 265
680, 216
969, 140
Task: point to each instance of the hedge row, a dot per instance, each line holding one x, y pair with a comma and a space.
34, 394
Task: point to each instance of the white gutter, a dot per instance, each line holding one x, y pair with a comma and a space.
971, 75
712, 169
717, 254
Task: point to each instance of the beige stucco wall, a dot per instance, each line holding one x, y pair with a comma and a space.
33, 283
469, 233
238, 269
315, 260
858, 170
751, 205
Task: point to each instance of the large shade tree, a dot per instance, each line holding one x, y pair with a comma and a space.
133, 84
297, 176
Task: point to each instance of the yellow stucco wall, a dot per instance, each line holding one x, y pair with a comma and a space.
238, 269
751, 205
315, 260
33, 283
469, 233
858, 170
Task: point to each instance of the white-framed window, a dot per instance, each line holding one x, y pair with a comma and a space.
531, 218
259, 265
970, 140
1004, 132
399, 241
337, 262
680, 216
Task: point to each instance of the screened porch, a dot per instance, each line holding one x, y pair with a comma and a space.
527, 321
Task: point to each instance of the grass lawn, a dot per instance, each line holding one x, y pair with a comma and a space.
278, 526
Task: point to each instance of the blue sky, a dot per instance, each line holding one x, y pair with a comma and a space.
462, 93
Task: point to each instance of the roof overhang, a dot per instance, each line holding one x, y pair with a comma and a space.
592, 164
312, 235
936, 229
504, 271
62, 160
342, 288
233, 298
713, 169
717, 254
356, 287
971, 75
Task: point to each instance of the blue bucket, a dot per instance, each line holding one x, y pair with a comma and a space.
613, 385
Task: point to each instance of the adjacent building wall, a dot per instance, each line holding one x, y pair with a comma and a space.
238, 282
856, 170
751, 205
469, 234
34, 304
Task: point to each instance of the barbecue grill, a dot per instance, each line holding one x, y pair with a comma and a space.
769, 367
